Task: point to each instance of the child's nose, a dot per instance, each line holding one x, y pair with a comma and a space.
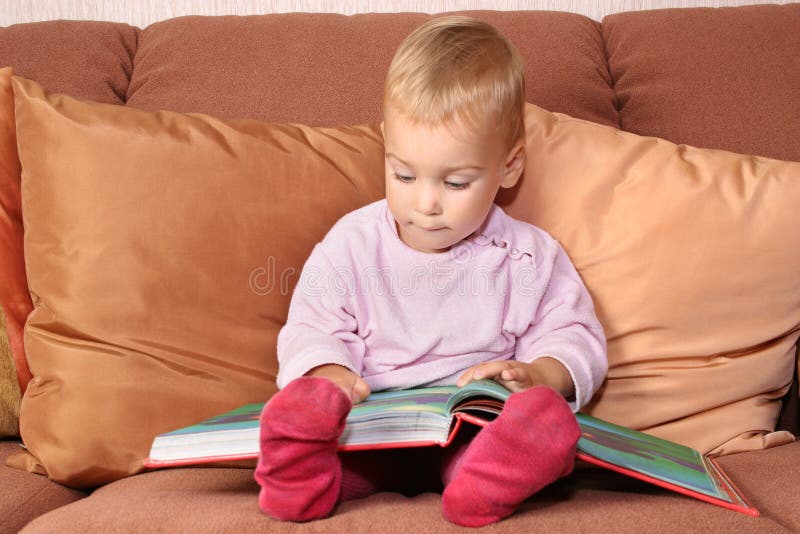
428, 199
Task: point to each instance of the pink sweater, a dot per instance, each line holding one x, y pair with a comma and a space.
402, 318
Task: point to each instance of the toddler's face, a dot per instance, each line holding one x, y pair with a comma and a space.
441, 181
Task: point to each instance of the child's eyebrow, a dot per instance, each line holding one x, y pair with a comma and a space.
464, 167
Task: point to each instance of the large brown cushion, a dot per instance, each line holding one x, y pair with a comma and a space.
691, 258
226, 500
24, 496
160, 250
723, 78
328, 69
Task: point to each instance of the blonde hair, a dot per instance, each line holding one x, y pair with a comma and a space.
458, 68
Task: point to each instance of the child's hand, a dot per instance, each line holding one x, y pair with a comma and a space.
353, 385
519, 376
514, 375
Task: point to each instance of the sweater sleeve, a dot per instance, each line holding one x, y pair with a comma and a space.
566, 328
320, 328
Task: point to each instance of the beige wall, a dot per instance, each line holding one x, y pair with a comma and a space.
143, 12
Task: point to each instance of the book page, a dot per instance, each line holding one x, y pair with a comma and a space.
483, 399
661, 459
416, 416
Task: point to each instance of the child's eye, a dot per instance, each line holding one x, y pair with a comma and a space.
404, 179
456, 186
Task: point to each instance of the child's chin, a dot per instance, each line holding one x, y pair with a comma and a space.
433, 248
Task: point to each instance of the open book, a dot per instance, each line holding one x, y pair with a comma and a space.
432, 416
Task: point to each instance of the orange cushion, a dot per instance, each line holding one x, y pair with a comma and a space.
692, 259
14, 298
161, 252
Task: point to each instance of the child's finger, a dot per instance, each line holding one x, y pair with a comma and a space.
361, 391
490, 370
475, 372
465, 378
510, 375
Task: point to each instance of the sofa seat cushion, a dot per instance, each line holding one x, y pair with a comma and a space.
224, 499
24, 496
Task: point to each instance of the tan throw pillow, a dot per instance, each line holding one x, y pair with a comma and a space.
692, 257
161, 251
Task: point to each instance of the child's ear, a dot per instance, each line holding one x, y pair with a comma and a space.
513, 165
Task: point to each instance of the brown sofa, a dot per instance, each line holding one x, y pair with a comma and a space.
717, 78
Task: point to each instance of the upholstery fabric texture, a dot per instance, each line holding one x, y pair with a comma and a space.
24, 497
565, 66
589, 500
85, 59
745, 46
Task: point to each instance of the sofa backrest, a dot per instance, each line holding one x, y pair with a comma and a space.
717, 78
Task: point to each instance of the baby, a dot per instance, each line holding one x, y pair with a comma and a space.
472, 294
